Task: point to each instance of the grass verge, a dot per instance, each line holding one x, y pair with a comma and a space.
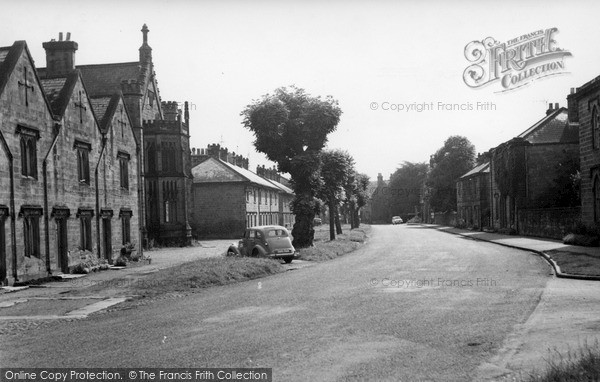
325, 249
576, 263
581, 365
204, 273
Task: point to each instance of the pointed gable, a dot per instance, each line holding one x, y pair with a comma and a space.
17, 58
115, 122
213, 170
553, 128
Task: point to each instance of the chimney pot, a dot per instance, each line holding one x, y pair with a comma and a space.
60, 36
68, 36
60, 56
556, 106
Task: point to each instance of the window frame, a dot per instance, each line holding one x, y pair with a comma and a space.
82, 150
123, 158
31, 230
28, 147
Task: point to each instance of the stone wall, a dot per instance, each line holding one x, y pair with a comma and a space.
552, 223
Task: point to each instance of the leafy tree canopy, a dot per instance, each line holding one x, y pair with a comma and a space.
449, 163
291, 127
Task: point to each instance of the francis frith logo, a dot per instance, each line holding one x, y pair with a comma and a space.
514, 63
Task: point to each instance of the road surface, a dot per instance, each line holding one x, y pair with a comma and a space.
412, 304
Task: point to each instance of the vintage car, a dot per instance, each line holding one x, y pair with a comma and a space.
272, 241
397, 220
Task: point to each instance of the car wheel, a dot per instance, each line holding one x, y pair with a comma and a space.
255, 253
288, 259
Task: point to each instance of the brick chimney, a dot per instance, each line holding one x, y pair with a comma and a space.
552, 108
60, 56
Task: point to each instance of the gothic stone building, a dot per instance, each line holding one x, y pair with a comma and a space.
164, 133
68, 169
73, 178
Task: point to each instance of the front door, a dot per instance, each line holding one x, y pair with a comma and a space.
61, 239
107, 239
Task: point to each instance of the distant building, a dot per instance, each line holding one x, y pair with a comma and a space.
473, 197
378, 206
228, 198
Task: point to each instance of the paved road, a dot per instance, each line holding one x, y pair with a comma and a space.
413, 304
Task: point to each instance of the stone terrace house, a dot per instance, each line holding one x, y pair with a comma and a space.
530, 178
584, 113
228, 198
473, 197
65, 172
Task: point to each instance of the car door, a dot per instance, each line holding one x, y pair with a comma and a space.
251, 240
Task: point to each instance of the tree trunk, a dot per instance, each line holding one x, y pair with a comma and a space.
338, 225
331, 220
303, 231
356, 218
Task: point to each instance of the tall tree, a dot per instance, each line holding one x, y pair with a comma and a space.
361, 195
291, 127
405, 187
451, 161
337, 167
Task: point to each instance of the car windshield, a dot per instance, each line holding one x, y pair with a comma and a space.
395, 217
276, 233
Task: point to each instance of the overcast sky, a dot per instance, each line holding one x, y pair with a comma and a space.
220, 55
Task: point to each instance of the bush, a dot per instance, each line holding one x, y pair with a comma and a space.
582, 365
584, 235
583, 240
88, 263
121, 261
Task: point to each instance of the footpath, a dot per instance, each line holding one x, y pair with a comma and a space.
566, 319
77, 296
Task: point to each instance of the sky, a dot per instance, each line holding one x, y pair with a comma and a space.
372, 56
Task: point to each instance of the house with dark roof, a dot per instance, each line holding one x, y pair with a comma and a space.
473, 197
228, 198
530, 175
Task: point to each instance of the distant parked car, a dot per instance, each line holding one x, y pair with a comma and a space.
397, 220
317, 221
272, 241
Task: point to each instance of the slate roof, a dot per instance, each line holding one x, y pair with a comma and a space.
252, 177
553, 128
58, 91
481, 169
105, 79
281, 186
